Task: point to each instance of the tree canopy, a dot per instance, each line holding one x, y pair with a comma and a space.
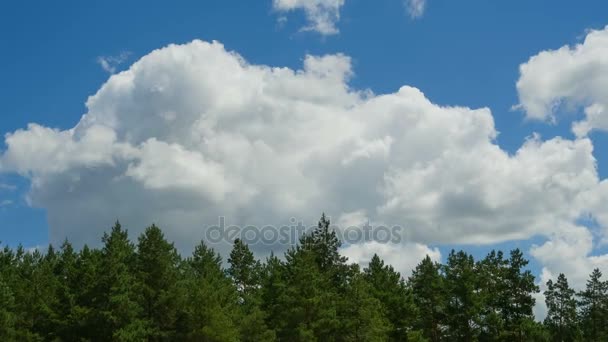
147, 291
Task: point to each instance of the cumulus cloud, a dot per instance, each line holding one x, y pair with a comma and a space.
569, 251
322, 15
111, 63
403, 258
192, 132
568, 78
415, 8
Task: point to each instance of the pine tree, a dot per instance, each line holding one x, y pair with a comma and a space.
325, 244
428, 289
211, 300
365, 318
118, 302
309, 304
464, 303
594, 308
561, 310
156, 268
397, 301
492, 285
245, 272
8, 277
518, 301
41, 292
273, 281
244, 269
65, 271
87, 294
7, 312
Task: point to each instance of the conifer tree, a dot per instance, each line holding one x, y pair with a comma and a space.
118, 303
397, 301
365, 316
464, 303
65, 271
518, 302
492, 285
428, 289
273, 281
593, 304
310, 302
244, 269
87, 294
211, 300
157, 273
245, 272
561, 310
325, 244
7, 312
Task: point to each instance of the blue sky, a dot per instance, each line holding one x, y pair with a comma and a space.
464, 53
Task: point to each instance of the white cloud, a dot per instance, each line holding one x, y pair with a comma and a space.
192, 132
568, 78
322, 15
404, 258
415, 8
565, 80
111, 63
568, 251
4, 203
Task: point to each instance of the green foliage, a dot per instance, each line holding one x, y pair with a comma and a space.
464, 303
123, 292
428, 288
397, 301
561, 310
156, 267
245, 272
210, 299
593, 304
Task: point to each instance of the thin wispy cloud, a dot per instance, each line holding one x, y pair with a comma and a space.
5, 203
111, 63
322, 15
415, 8
7, 187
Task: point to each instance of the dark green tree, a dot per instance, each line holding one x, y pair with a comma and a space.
245, 272
463, 306
117, 304
593, 303
244, 269
561, 310
157, 274
7, 313
491, 273
364, 316
273, 282
325, 244
88, 294
396, 299
65, 270
428, 290
211, 302
517, 296
309, 304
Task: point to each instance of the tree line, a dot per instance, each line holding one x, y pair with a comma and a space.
147, 292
